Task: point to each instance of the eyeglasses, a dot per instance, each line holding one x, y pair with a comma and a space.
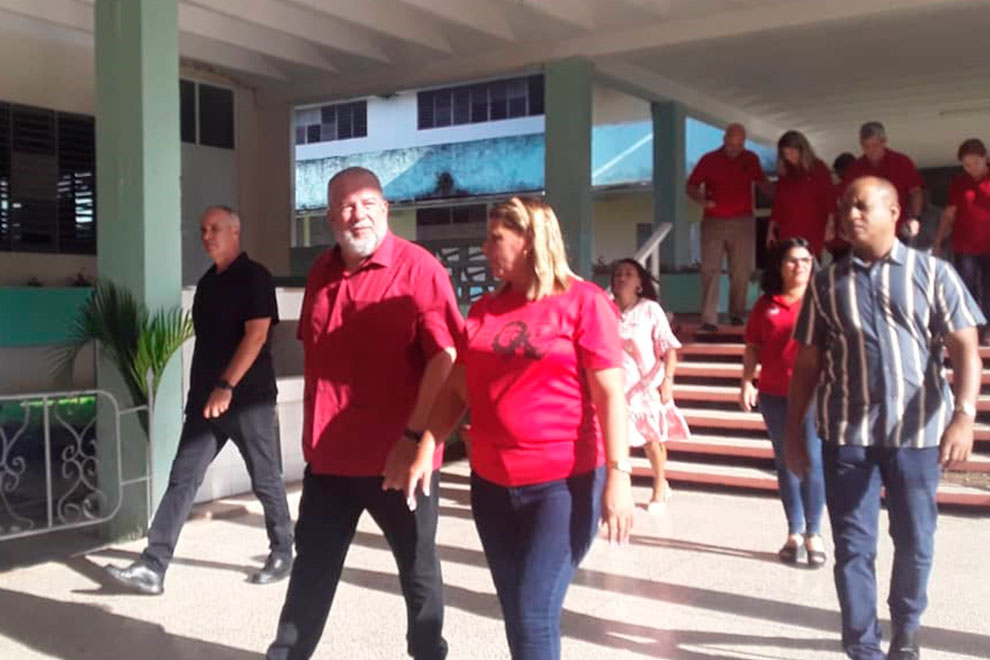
795, 261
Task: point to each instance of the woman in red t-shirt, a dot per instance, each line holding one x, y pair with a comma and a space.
540, 367
967, 219
804, 196
770, 343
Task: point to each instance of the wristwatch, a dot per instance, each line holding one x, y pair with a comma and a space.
966, 408
415, 436
622, 465
222, 384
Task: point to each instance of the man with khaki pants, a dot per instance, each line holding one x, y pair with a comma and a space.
722, 182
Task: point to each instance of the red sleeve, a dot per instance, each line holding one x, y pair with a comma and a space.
759, 176
597, 333
911, 174
826, 189
754, 326
700, 172
306, 309
475, 314
439, 321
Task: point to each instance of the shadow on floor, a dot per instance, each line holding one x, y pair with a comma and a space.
78, 631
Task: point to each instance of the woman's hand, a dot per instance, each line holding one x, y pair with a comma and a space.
667, 390
617, 506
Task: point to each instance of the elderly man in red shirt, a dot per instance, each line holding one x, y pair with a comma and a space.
881, 161
378, 324
722, 182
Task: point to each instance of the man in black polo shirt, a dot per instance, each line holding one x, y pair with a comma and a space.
231, 396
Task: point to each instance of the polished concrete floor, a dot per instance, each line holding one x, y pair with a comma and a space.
700, 582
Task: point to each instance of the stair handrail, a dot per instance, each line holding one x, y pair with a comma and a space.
648, 255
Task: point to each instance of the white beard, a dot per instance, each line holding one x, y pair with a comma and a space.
360, 247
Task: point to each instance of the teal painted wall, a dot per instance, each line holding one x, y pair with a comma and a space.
34, 316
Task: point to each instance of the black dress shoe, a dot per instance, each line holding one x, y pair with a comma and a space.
138, 577
904, 646
737, 321
707, 327
276, 568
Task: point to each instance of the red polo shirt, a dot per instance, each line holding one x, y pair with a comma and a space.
728, 182
532, 418
801, 204
771, 328
896, 168
971, 232
367, 336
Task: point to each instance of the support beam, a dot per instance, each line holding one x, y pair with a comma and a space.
235, 32
669, 177
215, 53
288, 19
568, 95
137, 196
384, 17
480, 15
572, 12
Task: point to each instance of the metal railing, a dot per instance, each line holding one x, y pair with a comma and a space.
649, 254
50, 462
468, 268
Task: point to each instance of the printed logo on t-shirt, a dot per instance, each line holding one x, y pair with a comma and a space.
773, 311
514, 339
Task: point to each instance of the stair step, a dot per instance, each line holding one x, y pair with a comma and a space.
719, 393
716, 445
709, 369
698, 348
725, 419
746, 477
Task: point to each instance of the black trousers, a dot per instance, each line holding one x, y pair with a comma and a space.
254, 429
328, 515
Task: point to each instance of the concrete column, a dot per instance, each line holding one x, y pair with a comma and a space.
669, 177
138, 206
568, 85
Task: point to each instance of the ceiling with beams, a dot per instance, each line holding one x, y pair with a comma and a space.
821, 66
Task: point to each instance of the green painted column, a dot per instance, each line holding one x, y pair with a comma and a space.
568, 85
669, 177
138, 205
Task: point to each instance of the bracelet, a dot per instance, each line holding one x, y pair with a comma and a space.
222, 384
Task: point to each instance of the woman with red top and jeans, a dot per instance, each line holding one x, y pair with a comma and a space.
540, 367
769, 342
804, 197
967, 218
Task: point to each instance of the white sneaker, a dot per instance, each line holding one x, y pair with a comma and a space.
656, 508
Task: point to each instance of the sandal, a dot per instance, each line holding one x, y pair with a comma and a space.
816, 558
792, 554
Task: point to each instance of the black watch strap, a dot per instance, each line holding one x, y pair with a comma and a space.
415, 436
224, 385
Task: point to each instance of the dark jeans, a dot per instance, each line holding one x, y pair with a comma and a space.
803, 499
328, 517
534, 537
853, 479
974, 269
254, 429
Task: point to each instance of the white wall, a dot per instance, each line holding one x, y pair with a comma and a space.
610, 106
392, 125
615, 217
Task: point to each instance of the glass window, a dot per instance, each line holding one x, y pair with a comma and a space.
216, 117
187, 111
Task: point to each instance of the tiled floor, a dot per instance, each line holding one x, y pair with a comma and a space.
701, 582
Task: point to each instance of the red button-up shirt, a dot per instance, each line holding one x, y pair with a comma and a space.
896, 168
802, 202
728, 182
367, 337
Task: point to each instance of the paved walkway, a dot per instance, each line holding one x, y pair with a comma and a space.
701, 582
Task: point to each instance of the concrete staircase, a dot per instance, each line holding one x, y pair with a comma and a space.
730, 448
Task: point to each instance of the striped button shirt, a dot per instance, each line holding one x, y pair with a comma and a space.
880, 328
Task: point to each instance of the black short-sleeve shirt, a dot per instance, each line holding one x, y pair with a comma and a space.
223, 303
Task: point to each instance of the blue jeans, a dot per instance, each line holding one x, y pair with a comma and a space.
534, 537
803, 499
853, 479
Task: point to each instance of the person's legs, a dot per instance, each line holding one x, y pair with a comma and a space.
741, 244
254, 429
549, 528
813, 483
198, 446
712, 248
328, 516
911, 478
774, 410
657, 453
412, 537
852, 490
984, 297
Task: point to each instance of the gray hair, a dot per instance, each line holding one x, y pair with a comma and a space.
872, 129
231, 214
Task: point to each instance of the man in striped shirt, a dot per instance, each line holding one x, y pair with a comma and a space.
871, 333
